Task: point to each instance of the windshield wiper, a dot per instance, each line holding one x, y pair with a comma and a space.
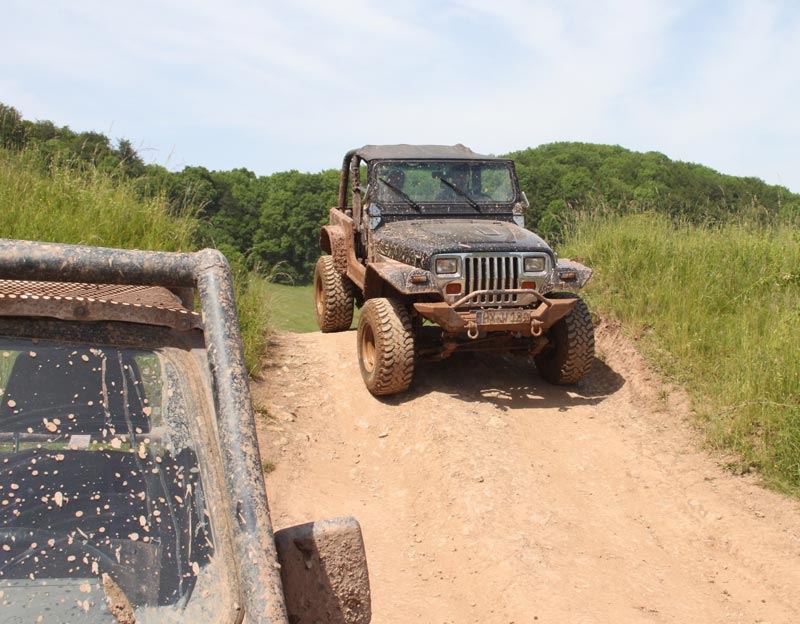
461, 192
410, 201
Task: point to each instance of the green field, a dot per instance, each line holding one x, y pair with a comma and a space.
291, 308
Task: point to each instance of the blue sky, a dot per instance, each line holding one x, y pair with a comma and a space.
273, 86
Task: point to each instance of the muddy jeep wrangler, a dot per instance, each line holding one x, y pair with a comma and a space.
430, 242
131, 488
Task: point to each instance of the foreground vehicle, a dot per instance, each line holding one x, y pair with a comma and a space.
431, 242
131, 488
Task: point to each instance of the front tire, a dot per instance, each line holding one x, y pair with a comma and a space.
385, 346
569, 356
333, 297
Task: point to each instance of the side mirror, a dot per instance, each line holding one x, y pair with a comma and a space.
324, 572
519, 210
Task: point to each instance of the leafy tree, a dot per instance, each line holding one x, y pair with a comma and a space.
561, 178
130, 162
194, 187
297, 205
273, 221
12, 130
41, 131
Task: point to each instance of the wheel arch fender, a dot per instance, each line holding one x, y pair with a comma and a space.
385, 278
333, 240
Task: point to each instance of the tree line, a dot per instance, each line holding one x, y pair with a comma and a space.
562, 178
271, 223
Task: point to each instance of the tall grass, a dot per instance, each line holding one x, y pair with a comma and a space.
252, 302
718, 308
66, 204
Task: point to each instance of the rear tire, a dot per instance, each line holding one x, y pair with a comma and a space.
385, 346
333, 297
568, 358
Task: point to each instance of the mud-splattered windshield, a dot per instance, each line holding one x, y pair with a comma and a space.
103, 510
451, 182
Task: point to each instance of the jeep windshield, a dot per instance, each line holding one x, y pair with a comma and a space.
453, 186
104, 491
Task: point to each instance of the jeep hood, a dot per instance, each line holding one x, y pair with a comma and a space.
414, 242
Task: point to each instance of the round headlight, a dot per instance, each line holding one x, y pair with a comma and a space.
534, 264
446, 266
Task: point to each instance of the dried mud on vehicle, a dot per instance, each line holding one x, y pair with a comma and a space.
431, 244
131, 487
487, 495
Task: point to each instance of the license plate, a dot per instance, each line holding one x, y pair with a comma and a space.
502, 317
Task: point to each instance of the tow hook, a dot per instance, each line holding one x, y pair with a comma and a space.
536, 328
472, 330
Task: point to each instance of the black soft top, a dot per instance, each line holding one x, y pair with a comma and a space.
371, 153
419, 152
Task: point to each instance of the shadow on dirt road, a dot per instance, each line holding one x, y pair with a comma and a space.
508, 382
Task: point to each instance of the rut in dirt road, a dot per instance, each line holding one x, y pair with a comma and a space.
487, 495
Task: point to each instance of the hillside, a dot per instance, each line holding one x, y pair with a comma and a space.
261, 222
63, 201
560, 178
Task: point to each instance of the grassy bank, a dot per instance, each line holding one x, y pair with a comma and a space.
62, 204
253, 303
718, 309
65, 204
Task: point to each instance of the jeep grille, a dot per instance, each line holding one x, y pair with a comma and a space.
492, 273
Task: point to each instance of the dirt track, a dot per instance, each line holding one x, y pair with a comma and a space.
486, 495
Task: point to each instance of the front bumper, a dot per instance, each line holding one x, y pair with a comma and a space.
532, 321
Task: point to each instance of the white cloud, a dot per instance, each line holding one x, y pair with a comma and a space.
274, 85
735, 98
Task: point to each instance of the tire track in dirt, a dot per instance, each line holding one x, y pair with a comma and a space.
487, 495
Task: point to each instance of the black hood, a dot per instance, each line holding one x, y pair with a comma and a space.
415, 241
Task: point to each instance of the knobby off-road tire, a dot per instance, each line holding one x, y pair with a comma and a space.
385, 346
333, 297
569, 357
